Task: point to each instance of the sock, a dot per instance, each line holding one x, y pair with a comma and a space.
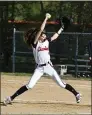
18, 92
71, 89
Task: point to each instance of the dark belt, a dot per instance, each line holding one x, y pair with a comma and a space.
40, 65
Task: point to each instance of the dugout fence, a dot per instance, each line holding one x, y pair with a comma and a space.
69, 49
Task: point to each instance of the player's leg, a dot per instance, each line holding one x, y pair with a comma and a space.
52, 72
58, 80
35, 77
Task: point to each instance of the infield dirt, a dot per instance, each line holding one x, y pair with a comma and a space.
46, 97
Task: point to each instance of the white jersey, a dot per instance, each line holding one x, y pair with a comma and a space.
41, 52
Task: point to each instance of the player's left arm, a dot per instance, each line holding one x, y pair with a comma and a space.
65, 22
55, 36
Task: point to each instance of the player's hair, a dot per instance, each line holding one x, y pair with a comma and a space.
30, 35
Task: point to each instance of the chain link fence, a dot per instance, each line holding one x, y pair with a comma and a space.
70, 49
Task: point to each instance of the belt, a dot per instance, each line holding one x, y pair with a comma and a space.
40, 65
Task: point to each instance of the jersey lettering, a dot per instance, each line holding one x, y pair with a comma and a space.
42, 49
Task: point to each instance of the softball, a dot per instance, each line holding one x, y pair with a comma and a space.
48, 15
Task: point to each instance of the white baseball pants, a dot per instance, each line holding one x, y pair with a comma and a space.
48, 69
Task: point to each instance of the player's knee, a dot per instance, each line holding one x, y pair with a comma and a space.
29, 86
62, 84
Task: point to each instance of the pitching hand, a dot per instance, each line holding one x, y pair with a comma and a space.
48, 16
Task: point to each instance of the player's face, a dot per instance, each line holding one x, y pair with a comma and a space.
43, 37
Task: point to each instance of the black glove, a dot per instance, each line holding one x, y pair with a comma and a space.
64, 22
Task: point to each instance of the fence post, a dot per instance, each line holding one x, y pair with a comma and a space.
76, 56
13, 60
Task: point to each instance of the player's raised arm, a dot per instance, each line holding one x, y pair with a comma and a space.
47, 16
55, 36
64, 22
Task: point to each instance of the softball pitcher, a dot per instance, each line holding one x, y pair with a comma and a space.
40, 45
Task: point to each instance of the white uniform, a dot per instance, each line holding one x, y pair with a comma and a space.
41, 52
44, 65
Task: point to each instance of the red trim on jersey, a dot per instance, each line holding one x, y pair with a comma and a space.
42, 49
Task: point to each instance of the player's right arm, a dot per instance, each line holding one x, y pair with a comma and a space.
42, 28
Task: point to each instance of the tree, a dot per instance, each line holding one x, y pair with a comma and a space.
80, 11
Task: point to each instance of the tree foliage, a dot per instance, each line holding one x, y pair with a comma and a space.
79, 11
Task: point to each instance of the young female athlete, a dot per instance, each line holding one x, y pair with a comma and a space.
40, 45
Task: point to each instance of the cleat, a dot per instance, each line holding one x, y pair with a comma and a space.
78, 97
7, 101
